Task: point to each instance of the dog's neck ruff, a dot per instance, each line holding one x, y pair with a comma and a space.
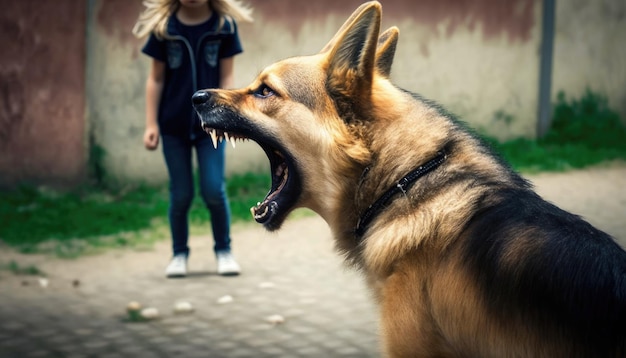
401, 187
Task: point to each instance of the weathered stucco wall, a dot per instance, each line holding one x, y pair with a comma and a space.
42, 97
116, 75
590, 50
482, 66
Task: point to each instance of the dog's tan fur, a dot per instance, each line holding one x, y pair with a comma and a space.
352, 135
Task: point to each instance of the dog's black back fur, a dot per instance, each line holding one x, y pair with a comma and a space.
566, 273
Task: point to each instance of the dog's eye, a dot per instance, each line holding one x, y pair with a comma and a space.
264, 91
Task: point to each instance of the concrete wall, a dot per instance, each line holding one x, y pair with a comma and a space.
590, 50
478, 58
42, 92
116, 77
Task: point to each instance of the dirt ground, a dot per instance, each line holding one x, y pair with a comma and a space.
597, 194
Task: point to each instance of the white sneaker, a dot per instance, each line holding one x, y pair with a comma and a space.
226, 264
177, 267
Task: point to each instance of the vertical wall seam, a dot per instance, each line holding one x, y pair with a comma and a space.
544, 117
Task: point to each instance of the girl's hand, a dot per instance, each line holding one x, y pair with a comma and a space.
151, 137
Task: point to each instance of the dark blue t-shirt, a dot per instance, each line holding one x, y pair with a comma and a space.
192, 57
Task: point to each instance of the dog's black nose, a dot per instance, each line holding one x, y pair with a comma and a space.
200, 97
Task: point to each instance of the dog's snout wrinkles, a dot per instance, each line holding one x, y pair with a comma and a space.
200, 97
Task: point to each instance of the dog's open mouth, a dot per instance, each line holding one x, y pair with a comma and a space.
285, 188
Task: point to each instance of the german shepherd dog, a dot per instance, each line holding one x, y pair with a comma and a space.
463, 257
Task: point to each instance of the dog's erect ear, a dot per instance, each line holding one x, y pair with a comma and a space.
343, 27
352, 56
385, 50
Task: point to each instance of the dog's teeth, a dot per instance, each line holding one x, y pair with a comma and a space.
261, 215
214, 138
230, 139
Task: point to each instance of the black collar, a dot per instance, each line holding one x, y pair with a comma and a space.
401, 186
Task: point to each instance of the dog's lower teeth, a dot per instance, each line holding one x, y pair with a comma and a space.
256, 211
263, 214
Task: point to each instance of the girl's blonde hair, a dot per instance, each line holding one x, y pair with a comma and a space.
157, 12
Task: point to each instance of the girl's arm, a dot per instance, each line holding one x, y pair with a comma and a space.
154, 89
227, 73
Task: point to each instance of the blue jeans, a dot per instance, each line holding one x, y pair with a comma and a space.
178, 154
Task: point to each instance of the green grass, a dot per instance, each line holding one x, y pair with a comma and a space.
84, 220
584, 132
17, 269
84, 213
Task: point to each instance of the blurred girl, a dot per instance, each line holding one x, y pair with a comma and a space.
192, 44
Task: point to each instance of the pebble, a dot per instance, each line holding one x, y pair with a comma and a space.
183, 307
149, 313
225, 299
43, 282
275, 319
267, 285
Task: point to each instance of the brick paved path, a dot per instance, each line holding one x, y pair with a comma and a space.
293, 273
